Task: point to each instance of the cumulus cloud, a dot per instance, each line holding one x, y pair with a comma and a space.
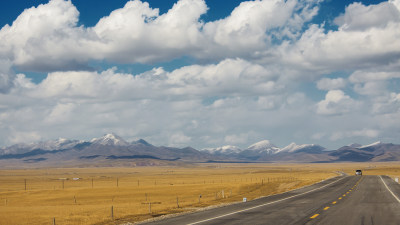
253, 25
357, 44
48, 38
360, 17
335, 103
137, 33
231, 77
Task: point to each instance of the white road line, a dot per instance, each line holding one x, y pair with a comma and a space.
390, 190
269, 203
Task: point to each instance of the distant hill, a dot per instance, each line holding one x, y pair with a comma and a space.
105, 150
376, 152
112, 150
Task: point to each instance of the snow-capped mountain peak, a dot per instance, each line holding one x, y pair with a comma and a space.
290, 148
371, 145
293, 147
110, 139
263, 146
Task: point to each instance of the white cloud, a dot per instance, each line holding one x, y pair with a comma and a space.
336, 103
7, 76
137, 33
331, 84
24, 137
227, 78
361, 76
386, 104
366, 133
361, 17
373, 88
61, 113
236, 138
179, 139
48, 38
250, 28
375, 45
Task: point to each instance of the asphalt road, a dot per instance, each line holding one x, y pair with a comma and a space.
341, 200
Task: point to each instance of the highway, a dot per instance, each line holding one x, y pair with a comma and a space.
366, 200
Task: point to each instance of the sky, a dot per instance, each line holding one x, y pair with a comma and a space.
201, 73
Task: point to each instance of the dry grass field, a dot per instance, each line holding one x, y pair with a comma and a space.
117, 195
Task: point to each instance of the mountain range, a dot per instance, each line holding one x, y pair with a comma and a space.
112, 150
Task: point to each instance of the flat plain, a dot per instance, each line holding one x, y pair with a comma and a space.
131, 194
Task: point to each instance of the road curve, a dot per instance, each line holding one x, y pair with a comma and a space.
341, 200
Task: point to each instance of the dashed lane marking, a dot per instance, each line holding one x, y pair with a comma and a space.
326, 208
314, 216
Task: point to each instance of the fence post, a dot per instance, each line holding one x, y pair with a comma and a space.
177, 202
54, 221
149, 207
92, 182
25, 183
117, 181
112, 212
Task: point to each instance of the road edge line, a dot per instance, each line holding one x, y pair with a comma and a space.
398, 200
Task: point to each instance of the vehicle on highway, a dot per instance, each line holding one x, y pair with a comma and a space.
358, 172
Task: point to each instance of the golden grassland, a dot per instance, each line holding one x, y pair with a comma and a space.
118, 195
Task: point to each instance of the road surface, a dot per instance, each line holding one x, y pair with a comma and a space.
366, 200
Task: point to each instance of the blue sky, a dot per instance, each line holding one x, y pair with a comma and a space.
201, 73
